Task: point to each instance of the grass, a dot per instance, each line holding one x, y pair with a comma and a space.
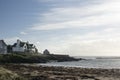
33, 58
9, 75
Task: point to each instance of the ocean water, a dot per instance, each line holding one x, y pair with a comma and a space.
90, 62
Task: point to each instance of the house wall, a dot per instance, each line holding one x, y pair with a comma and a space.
23, 48
18, 49
32, 50
3, 48
3, 51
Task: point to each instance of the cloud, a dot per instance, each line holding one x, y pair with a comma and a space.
11, 40
102, 14
23, 33
100, 18
103, 42
91, 44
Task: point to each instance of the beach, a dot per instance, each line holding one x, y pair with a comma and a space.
35, 72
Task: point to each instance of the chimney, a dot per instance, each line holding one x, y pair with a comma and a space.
18, 41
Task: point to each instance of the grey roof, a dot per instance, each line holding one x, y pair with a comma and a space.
23, 43
3, 42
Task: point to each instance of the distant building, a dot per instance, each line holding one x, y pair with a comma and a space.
3, 47
24, 47
46, 52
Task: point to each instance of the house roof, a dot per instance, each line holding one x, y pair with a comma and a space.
23, 43
30, 45
3, 42
14, 44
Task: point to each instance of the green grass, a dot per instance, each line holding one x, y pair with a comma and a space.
32, 58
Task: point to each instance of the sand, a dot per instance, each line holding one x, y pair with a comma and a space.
34, 72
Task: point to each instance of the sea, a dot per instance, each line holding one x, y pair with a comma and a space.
89, 62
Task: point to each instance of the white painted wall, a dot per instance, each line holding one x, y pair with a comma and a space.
18, 49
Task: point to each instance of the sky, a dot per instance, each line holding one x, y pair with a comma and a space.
74, 27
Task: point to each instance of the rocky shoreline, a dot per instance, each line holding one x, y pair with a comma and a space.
34, 72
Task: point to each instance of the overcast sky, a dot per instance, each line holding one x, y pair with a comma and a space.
74, 27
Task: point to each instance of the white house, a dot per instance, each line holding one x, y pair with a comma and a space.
3, 47
31, 48
24, 47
